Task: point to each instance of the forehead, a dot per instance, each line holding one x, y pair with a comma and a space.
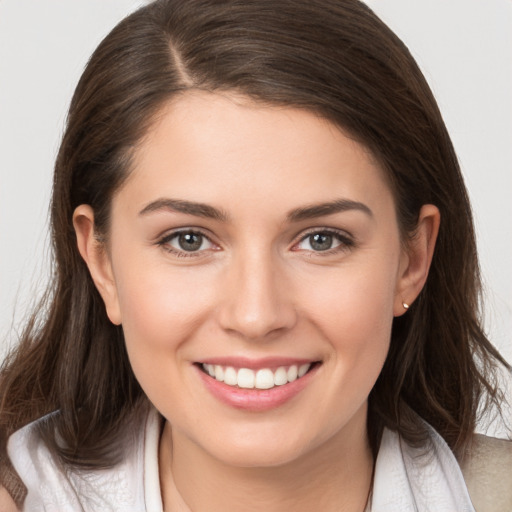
228, 150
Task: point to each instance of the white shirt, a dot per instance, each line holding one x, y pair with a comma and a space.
406, 479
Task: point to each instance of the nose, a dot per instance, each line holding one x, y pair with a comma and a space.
256, 302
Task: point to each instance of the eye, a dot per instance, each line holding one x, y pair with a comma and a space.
186, 242
324, 241
319, 242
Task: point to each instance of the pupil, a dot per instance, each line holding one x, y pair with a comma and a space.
321, 241
190, 241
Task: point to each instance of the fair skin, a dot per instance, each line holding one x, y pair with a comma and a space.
289, 254
6, 502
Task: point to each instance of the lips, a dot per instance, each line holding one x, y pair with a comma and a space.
256, 385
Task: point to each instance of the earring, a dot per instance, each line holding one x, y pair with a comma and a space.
405, 305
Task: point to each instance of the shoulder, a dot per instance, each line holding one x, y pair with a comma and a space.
6, 502
487, 470
58, 486
37, 468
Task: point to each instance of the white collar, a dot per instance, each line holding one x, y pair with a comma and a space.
152, 492
426, 479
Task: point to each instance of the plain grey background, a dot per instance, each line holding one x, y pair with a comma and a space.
464, 48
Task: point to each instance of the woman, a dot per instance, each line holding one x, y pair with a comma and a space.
266, 283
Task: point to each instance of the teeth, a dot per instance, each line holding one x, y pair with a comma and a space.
264, 379
292, 373
280, 377
219, 373
245, 378
260, 379
303, 370
230, 376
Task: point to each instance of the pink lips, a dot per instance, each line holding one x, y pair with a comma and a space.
255, 399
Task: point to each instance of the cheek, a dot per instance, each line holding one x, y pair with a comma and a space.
161, 312
160, 307
354, 303
353, 311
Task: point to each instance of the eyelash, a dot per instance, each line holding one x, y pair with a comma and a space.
164, 243
346, 242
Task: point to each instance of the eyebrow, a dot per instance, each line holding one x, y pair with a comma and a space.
321, 209
296, 215
187, 207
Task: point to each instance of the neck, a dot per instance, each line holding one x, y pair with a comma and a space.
335, 476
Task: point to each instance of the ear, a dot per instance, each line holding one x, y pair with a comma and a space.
416, 259
97, 259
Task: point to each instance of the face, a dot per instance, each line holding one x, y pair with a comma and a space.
259, 245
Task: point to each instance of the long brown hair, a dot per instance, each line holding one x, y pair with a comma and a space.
332, 57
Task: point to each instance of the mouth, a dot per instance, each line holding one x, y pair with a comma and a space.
262, 378
255, 386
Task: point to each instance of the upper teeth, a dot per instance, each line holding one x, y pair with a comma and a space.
259, 379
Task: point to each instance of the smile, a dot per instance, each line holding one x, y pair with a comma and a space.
263, 378
256, 385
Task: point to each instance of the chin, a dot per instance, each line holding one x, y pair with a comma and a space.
259, 455
266, 444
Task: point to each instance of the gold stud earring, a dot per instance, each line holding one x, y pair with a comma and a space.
405, 305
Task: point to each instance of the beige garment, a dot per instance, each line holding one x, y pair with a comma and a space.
487, 470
